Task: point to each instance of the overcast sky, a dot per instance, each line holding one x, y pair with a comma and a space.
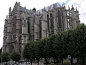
38, 4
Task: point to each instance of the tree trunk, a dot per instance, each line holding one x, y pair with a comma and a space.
83, 61
54, 60
46, 61
37, 61
71, 60
31, 62
57, 61
77, 60
62, 61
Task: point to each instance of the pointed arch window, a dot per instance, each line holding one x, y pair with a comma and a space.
28, 21
59, 19
40, 32
52, 23
48, 21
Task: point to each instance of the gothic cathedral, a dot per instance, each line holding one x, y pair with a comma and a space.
23, 25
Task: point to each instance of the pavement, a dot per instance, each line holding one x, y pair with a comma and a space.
32, 64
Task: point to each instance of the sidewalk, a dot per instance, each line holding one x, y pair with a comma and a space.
32, 64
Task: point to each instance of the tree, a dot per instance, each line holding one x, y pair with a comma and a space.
81, 41
15, 56
46, 49
71, 44
29, 51
42, 47
56, 47
5, 57
25, 51
50, 46
63, 46
37, 51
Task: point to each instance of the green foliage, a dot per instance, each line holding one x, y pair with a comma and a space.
50, 46
5, 57
81, 41
70, 42
15, 56
25, 51
37, 50
29, 51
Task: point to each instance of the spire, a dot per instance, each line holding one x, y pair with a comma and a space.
24, 9
44, 8
72, 7
19, 3
30, 10
76, 8
68, 7
63, 5
16, 2
10, 10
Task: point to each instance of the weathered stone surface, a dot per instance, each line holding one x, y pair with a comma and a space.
23, 25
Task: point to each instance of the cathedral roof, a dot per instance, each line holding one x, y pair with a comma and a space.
28, 11
55, 5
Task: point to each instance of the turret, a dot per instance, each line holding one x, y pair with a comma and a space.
18, 6
72, 8
10, 11
68, 7
63, 5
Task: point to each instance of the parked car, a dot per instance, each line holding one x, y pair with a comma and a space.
27, 62
8, 64
15, 64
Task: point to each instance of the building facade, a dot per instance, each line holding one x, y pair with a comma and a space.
23, 25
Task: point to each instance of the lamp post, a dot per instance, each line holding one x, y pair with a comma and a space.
69, 57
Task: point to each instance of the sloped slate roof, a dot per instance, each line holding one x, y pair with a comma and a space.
55, 5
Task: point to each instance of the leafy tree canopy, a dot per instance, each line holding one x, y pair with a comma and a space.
15, 56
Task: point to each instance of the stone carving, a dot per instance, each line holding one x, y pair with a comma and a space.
23, 25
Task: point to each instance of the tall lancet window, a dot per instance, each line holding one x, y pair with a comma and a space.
59, 19
68, 23
52, 24
40, 29
28, 22
48, 21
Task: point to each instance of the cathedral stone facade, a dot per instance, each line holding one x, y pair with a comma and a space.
23, 25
